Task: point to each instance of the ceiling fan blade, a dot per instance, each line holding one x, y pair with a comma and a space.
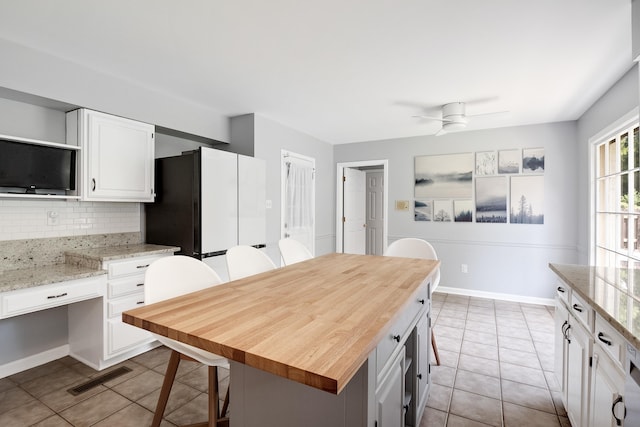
488, 114
430, 118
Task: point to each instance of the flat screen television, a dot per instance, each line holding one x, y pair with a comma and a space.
34, 167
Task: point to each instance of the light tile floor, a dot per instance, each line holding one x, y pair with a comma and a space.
497, 370
496, 365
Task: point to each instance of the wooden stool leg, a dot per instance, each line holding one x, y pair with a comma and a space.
213, 396
225, 405
169, 376
435, 347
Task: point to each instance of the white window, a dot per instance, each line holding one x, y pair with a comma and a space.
616, 228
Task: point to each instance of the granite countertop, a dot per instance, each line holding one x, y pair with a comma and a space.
614, 293
78, 264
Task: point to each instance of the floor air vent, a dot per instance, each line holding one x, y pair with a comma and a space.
98, 380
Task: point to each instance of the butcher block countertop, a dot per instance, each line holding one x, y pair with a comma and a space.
315, 322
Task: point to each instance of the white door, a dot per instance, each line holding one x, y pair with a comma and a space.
298, 198
354, 211
375, 212
252, 197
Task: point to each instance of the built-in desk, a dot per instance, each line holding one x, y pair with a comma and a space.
340, 340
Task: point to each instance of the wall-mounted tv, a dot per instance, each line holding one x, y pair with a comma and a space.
34, 167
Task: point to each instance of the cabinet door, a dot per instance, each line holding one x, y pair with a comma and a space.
607, 384
423, 343
219, 198
252, 194
561, 318
578, 352
118, 159
390, 395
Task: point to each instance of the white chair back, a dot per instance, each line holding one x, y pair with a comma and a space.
244, 261
411, 247
177, 275
293, 251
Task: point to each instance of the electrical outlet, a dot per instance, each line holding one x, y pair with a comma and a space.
52, 218
464, 268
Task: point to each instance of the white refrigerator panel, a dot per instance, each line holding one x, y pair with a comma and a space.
219, 199
252, 195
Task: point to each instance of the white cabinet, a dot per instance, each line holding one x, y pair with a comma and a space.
390, 395
577, 386
423, 343
97, 335
607, 386
560, 355
117, 156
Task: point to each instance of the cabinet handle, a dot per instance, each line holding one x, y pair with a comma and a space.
421, 301
604, 340
419, 376
566, 322
577, 308
613, 411
561, 289
140, 302
143, 266
566, 334
140, 284
57, 296
396, 337
93, 184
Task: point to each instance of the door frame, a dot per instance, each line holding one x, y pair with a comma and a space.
384, 164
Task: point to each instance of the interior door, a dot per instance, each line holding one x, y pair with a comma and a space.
375, 212
354, 211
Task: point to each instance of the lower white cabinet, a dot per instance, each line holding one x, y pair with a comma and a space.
589, 356
390, 395
115, 341
607, 385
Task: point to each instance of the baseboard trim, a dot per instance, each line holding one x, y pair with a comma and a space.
33, 360
495, 295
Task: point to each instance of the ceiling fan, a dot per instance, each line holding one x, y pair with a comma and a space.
454, 117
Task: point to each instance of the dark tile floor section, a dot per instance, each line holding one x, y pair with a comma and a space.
496, 365
497, 370
39, 397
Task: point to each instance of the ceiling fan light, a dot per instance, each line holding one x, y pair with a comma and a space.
454, 126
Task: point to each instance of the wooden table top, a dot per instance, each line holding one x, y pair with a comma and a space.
314, 322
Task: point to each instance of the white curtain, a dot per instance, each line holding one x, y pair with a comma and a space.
299, 215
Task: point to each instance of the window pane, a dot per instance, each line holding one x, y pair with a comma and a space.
612, 157
612, 193
624, 152
601, 160
636, 149
634, 193
600, 196
624, 193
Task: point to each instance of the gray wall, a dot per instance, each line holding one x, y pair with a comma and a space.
619, 100
501, 258
269, 138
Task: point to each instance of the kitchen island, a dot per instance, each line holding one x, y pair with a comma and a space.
340, 340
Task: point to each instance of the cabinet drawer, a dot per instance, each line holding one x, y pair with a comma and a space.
115, 308
122, 337
48, 296
400, 329
125, 286
131, 266
563, 292
610, 341
582, 311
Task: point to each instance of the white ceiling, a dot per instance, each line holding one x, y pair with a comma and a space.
346, 70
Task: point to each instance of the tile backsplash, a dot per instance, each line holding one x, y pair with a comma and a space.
34, 219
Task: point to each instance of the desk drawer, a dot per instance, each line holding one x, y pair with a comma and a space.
47, 296
131, 266
563, 292
115, 308
129, 285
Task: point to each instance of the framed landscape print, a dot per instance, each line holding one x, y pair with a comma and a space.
423, 210
486, 163
447, 176
509, 161
491, 199
463, 210
442, 211
527, 200
533, 160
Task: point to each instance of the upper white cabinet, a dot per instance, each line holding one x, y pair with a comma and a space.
117, 156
